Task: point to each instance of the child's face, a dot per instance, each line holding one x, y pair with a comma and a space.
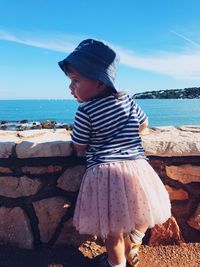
82, 88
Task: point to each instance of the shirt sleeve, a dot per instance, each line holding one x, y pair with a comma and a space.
82, 128
140, 113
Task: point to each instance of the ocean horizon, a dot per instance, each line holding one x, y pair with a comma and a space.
161, 112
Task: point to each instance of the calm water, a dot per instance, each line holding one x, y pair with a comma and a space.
161, 112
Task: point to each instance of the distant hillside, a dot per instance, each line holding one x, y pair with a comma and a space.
189, 93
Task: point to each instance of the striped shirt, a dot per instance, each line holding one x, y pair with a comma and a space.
110, 128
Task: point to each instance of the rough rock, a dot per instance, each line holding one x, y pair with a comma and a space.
38, 132
184, 173
70, 236
191, 128
15, 228
167, 233
176, 194
17, 187
171, 142
8, 139
48, 124
71, 179
41, 170
5, 170
194, 221
44, 144
164, 128
49, 213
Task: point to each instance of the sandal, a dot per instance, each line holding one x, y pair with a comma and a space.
132, 251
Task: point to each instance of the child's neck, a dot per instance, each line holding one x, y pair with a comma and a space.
103, 94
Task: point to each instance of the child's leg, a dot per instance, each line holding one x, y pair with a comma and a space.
115, 248
142, 228
138, 234
133, 242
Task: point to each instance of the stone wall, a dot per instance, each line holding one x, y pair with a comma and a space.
40, 179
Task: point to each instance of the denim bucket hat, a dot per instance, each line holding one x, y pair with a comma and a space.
94, 60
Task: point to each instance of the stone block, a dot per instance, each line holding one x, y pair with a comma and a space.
8, 139
38, 132
164, 128
41, 170
69, 235
71, 179
171, 142
17, 187
190, 128
49, 213
15, 228
167, 233
184, 173
45, 144
194, 221
176, 194
5, 170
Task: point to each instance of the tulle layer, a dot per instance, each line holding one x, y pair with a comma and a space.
114, 197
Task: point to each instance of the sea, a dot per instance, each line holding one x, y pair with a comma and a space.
161, 112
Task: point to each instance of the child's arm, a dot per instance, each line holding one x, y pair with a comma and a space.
142, 118
81, 132
143, 126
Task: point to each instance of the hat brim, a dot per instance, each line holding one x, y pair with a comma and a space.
83, 69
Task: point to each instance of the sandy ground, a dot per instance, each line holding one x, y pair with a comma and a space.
185, 255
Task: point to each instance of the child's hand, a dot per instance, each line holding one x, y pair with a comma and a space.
143, 126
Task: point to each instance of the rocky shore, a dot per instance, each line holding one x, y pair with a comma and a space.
32, 125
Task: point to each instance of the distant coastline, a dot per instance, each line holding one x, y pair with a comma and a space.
186, 93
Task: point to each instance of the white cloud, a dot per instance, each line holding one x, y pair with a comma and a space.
60, 43
186, 39
183, 65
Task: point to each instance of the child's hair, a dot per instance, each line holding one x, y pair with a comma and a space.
109, 90
94, 60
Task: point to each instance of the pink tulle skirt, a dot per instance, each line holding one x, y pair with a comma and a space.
116, 196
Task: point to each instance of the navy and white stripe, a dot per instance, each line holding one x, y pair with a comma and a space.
110, 128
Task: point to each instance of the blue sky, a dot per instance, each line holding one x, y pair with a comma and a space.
158, 43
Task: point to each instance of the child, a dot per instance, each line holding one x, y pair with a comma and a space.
120, 195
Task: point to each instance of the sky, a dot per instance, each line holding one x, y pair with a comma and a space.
158, 43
